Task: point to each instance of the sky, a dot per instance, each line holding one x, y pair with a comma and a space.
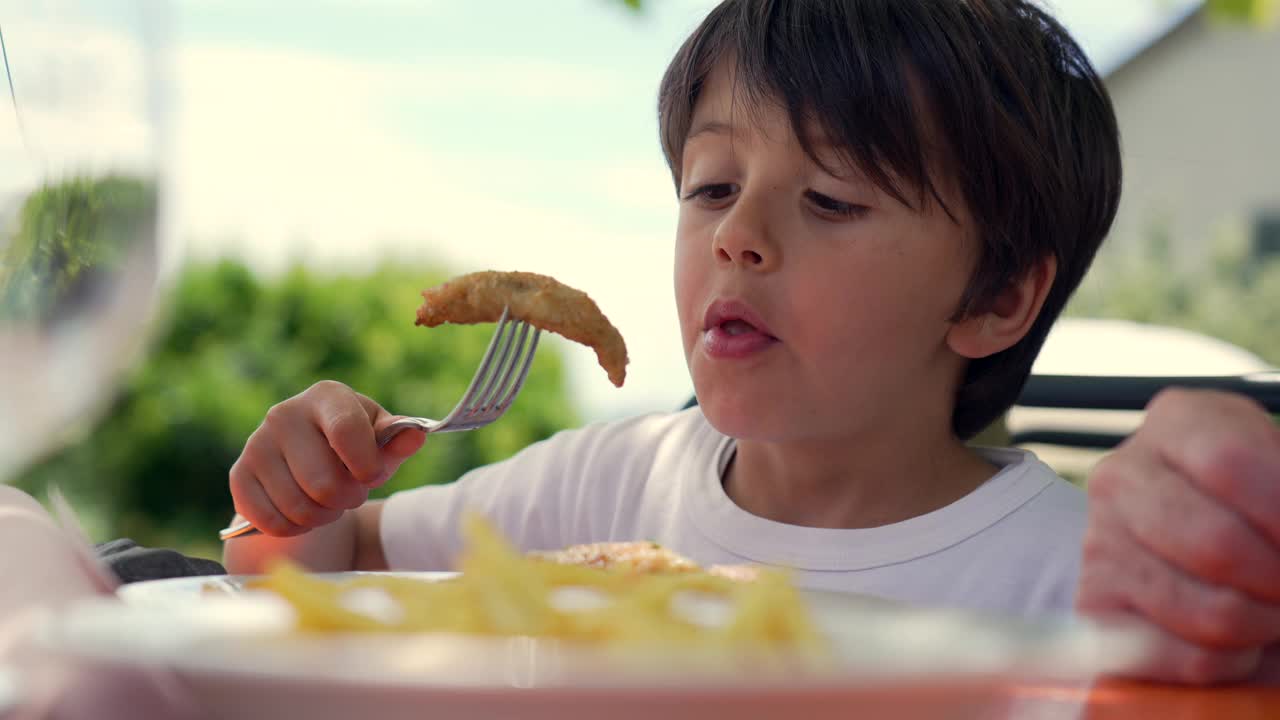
477, 134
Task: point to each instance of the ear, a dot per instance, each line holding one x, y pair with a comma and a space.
1009, 317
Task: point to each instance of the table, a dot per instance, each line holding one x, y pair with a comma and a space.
1113, 700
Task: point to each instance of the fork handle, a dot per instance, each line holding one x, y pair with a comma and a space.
235, 530
387, 433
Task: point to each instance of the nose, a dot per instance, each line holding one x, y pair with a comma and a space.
743, 237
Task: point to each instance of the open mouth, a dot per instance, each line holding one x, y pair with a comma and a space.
734, 328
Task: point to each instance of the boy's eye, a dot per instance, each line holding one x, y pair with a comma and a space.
713, 192
833, 206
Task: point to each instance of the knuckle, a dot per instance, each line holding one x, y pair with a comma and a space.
1103, 478
1171, 400
256, 449
327, 388
238, 480
276, 415
1108, 477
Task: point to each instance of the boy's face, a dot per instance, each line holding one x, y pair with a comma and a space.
811, 306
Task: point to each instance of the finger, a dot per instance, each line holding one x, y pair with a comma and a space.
399, 449
1118, 573
403, 445
253, 504
1172, 518
287, 496
346, 419
318, 470
1169, 658
1227, 445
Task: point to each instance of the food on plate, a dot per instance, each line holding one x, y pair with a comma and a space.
643, 557
633, 557
541, 301
567, 595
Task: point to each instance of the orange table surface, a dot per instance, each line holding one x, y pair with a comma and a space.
1112, 700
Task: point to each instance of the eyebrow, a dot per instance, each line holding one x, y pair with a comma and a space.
712, 127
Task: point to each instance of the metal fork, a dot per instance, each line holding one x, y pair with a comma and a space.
494, 387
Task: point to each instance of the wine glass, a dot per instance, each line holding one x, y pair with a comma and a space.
82, 221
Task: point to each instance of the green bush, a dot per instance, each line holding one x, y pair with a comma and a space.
1233, 293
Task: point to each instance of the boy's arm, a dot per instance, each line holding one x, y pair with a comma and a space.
352, 542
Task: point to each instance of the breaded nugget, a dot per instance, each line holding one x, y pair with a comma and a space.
737, 573
539, 300
642, 557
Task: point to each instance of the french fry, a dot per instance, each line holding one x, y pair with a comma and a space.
501, 592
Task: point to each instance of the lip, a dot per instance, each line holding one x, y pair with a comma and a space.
719, 344
723, 311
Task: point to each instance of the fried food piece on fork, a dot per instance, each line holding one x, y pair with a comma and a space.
541, 301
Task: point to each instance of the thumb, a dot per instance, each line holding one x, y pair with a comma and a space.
400, 448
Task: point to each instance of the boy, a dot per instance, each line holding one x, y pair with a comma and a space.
884, 204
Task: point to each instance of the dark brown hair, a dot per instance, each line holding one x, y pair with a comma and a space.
994, 93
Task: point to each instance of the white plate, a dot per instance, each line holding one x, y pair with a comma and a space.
179, 592
236, 654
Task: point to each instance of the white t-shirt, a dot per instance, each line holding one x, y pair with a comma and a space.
1012, 545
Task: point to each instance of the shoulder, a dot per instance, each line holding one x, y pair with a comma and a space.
1044, 489
1057, 500
1039, 540
1041, 513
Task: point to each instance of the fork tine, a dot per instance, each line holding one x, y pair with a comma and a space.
514, 389
508, 349
508, 370
495, 343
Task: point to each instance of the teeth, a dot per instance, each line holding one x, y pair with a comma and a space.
738, 327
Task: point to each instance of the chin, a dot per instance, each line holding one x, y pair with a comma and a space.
744, 417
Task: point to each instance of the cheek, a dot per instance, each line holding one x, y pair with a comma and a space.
862, 309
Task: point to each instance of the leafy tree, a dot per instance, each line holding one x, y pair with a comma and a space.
1256, 12
155, 467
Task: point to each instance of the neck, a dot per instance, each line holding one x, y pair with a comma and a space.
869, 480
